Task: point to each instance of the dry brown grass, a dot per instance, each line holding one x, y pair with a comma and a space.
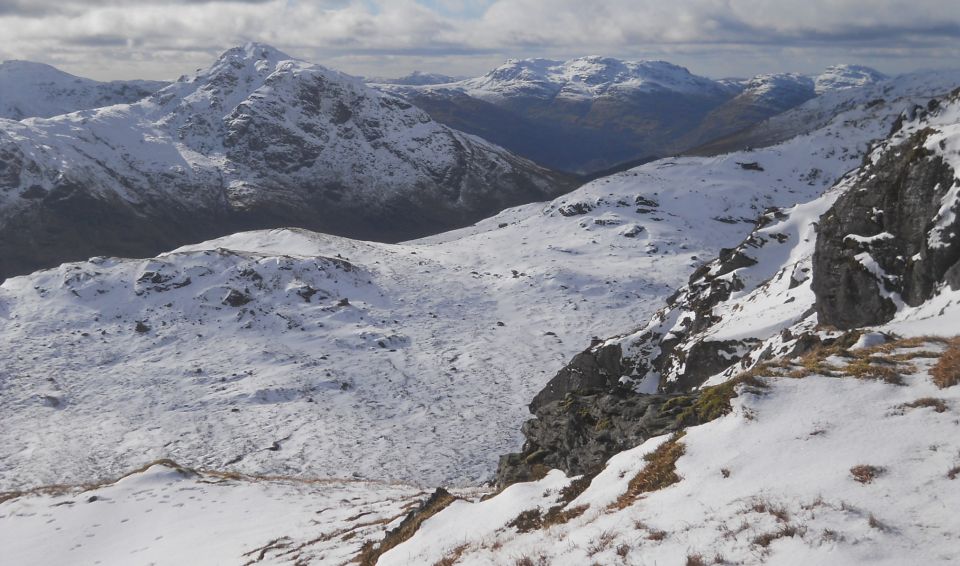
437, 502
938, 405
786, 531
452, 556
696, 560
527, 561
61, 489
714, 402
527, 521
865, 473
603, 541
656, 535
885, 362
953, 472
660, 471
946, 372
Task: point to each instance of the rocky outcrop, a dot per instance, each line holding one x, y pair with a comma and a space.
579, 432
893, 238
593, 369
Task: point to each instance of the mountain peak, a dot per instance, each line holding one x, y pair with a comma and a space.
844, 76
586, 77
254, 51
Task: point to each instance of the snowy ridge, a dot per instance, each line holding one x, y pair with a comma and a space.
30, 89
416, 78
773, 88
842, 77
919, 87
585, 78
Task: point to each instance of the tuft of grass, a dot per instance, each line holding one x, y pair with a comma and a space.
602, 542
865, 473
527, 521
527, 561
696, 559
714, 402
660, 471
765, 539
946, 372
953, 472
778, 512
452, 556
656, 535
938, 405
559, 515
575, 488
876, 368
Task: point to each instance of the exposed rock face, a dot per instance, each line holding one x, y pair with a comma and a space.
578, 433
589, 370
672, 346
891, 239
258, 140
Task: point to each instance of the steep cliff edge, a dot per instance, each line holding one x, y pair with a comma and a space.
893, 240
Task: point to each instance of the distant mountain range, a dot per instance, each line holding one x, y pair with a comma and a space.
29, 89
593, 113
256, 140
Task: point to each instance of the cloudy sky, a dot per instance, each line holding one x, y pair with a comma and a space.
110, 39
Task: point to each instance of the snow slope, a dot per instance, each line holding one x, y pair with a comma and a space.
248, 360
170, 515
29, 89
773, 482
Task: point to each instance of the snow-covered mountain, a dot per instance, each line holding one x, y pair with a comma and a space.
815, 113
581, 115
416, 78
256, 140
842, 77
759, 98
586, 78
29, 89
593, 113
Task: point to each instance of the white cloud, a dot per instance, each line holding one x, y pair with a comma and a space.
122, 38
